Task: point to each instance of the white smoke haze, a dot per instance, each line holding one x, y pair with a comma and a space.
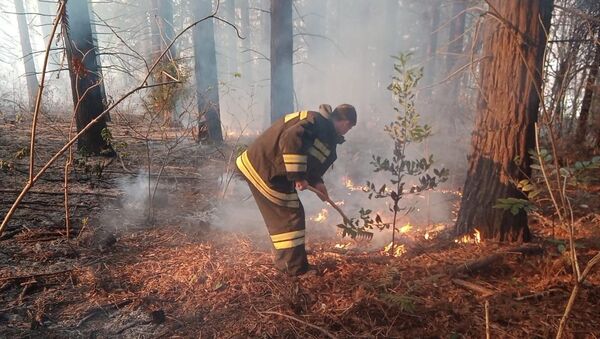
343, 55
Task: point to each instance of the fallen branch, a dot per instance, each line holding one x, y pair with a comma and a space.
478, 264
485, 292
539, 294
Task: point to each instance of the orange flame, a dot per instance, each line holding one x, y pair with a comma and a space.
399, 249
406, 228
351, 186
321, 216
342, 246
474, 238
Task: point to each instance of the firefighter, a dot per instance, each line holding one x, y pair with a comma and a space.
290, 155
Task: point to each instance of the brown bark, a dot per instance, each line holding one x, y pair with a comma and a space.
514, 44
88, 98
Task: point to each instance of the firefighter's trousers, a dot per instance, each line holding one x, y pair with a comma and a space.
286, 227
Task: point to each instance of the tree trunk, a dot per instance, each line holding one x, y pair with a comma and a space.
282, 84
205, 71
99, 66
456, 37
155, 36
228, 13
314, 18
30, 74
560, 86
246, 64
48, 11
430, 69
162, 31
586, 103
507, 111
85, 81
452, 88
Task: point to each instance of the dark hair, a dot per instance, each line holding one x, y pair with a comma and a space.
345, 112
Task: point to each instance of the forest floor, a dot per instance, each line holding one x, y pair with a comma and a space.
118, 275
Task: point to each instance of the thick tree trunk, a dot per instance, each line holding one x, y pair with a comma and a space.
586, 103
85, 80
99, 66
30, 74
282, 83
205, 71
507, 111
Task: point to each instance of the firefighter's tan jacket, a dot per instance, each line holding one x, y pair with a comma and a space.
300, 145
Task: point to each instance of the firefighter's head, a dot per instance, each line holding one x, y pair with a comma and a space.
344, 118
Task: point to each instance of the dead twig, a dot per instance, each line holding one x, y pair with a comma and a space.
574, 292
487, 319
539, 294
324, 331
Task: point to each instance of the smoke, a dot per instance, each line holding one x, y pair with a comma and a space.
343, 52
132, 211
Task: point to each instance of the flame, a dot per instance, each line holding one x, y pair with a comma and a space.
406, 228
474, 238
399, 249
321, 216
427, 236
351, 186
342, 246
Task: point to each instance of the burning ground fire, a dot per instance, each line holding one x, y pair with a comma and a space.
351, 186
399, 249
407, 229
321, 216
474, 238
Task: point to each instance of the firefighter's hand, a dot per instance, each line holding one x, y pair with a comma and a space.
321, 188
301, 185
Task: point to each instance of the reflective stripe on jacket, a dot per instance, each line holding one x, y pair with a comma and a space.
300, 145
